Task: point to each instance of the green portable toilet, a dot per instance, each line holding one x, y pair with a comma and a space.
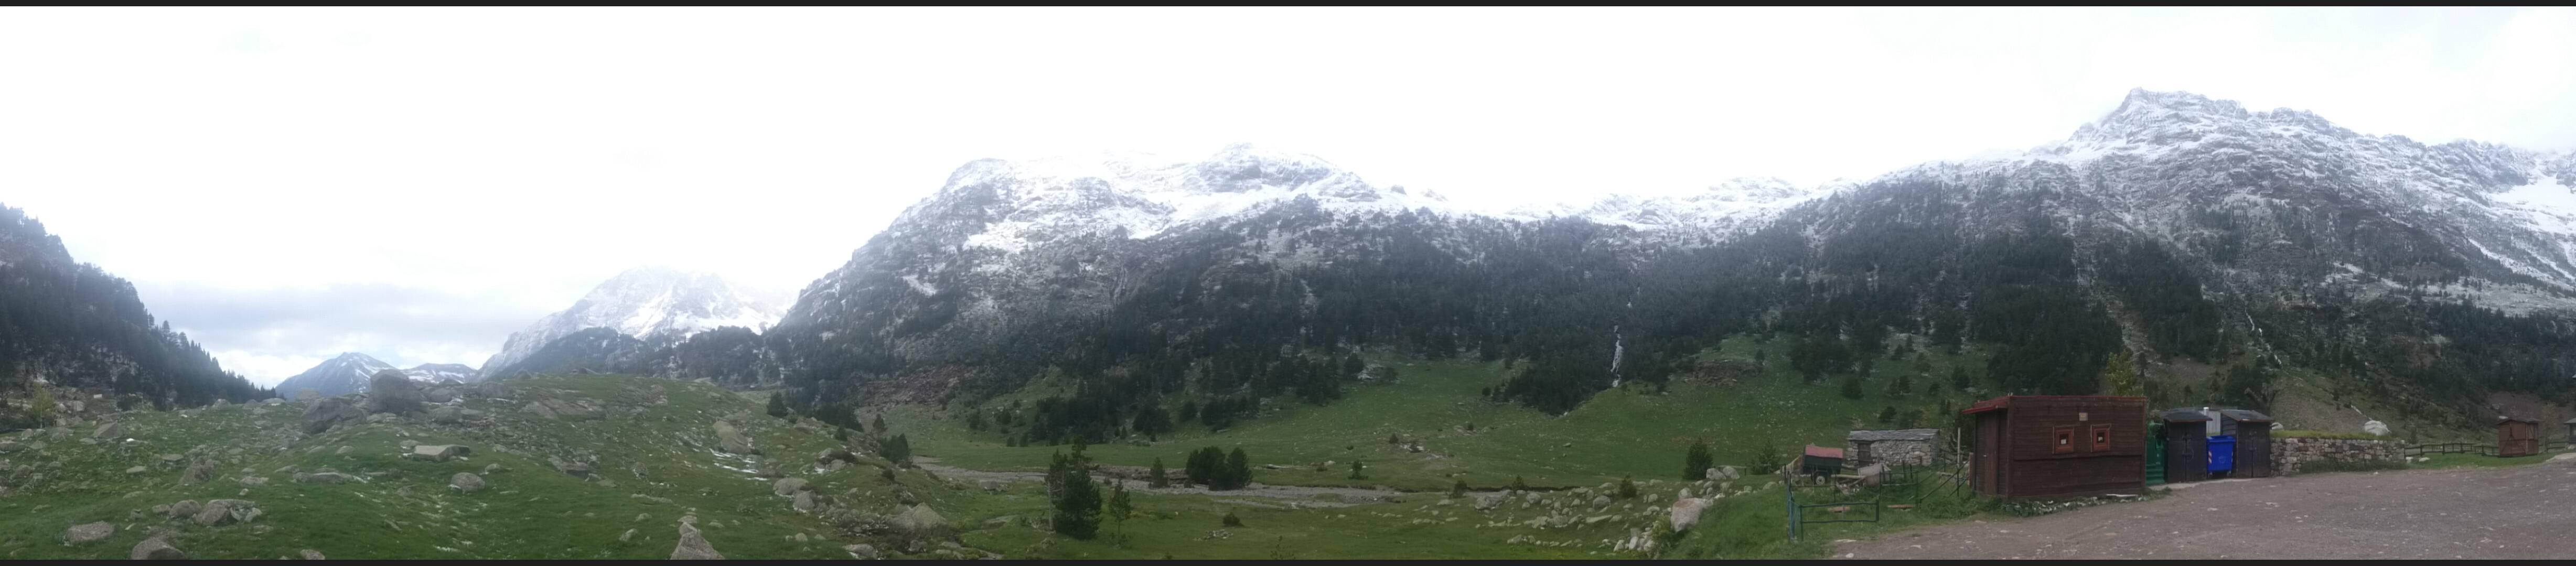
2155, 453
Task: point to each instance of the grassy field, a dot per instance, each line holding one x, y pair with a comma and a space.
405, 509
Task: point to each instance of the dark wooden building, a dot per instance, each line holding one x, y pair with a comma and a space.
2517, 437
2253, 432
2059, 445
2186, 440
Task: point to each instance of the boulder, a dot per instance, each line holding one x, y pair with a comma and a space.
491, 390
439, 452
574, 468
156, 548
226, 511
447, 415
391, 392
8, 446
466, 482
804, 501
1686, 512
921, 520
540, 409
693, 546
109, 431
733, 441
327, 413
197, 473
254, 481
137, 470
835, 454
861, 551
1724, 473
627, 536
438, 395
992, 486
186, 508
90, 532
787, 487
311, 554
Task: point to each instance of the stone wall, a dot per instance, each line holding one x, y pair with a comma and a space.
2291, 454
1907, 452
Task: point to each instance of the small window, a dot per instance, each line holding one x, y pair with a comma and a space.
2101, 438
2065, 440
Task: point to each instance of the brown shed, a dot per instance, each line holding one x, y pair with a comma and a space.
2517, 437
2186, 445
2253, 432
2059, 445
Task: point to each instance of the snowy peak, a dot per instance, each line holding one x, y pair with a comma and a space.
646, 303
1715, 210
1141, 195
434, 373
341, 375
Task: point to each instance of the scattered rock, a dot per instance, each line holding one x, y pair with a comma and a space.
466, 482
326, 413
576, 469
861, 551
540, 409
342, 450
325, 477
835, 454
804, 501
137, 470
156, 548
197, 473
921, 520
993, 486
439, 395
171, 458
311, 554
254, 481
226, 511
489, 469
693, 546
439, 452
109, 431
87, 533
627, 536
447, 415
407, 443
787, 487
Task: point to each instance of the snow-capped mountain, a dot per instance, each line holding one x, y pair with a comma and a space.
434, 373
2175, 228
342, 375
653, 304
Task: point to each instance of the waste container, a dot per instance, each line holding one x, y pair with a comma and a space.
2222, 454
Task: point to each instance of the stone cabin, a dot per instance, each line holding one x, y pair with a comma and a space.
1912, 447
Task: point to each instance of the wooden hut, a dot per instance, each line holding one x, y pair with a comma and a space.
2186, 445
2571, 432
2253, 431
2517, 437
2059, 445
1820, 461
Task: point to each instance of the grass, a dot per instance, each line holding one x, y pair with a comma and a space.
2480, 461
1626, 432
528, 511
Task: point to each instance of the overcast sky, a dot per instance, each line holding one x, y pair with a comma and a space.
287, 184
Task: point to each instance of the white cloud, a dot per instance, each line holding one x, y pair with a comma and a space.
514, 157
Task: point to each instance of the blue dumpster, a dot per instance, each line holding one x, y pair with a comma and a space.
2222, 453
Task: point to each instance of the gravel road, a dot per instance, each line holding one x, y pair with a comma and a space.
2523, 512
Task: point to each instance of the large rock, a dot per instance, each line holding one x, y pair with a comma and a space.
1686, 512
920, 520
226, 511
392, 392
197, 473
693, 546
787, 487
732, 440
329, 412
804, 501
184, 509
466, 482
447, 415
439, 395
87, 533
156, 548
491, 390
439, 452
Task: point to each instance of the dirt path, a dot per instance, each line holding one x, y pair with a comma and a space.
1297, 496
2523, 512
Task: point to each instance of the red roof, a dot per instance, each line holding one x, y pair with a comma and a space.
1823, 452
2005, 402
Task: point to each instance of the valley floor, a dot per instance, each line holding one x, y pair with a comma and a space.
2460, 513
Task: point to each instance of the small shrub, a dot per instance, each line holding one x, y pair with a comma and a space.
1355, 470
1231, 520
1518, 485
1768, 459
1627, 488
1458, 489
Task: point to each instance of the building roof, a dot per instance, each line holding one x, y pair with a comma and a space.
1823, 452
1905, 434
2502, 420
2245, 416
2569, 421
2005, 402
2182, 416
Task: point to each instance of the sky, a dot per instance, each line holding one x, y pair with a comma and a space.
287, 184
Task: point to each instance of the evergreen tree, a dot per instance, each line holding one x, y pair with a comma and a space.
1158, 478
1119, 506
1697, 461
778, 404
1355, 469
1238, 470
1887, 416
898, 449
1519, 485
1959, 378
1851, 387
1076, 499
1627, 488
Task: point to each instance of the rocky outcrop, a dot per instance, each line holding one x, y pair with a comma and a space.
693, 545
330, 412
439, 452
227, 511
1685, 513
390, 391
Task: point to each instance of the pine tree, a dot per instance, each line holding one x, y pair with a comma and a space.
778, 405
1887, 415
880, 426
1851, 387
1075, 497
1119, 506
1697, 461
1355, 469
1959, 378
1519, 485
1157, 478
1238, 470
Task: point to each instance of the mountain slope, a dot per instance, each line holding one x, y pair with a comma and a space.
72, 324
655, 305
597, 349
341, 375
434, 373
2242, 256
